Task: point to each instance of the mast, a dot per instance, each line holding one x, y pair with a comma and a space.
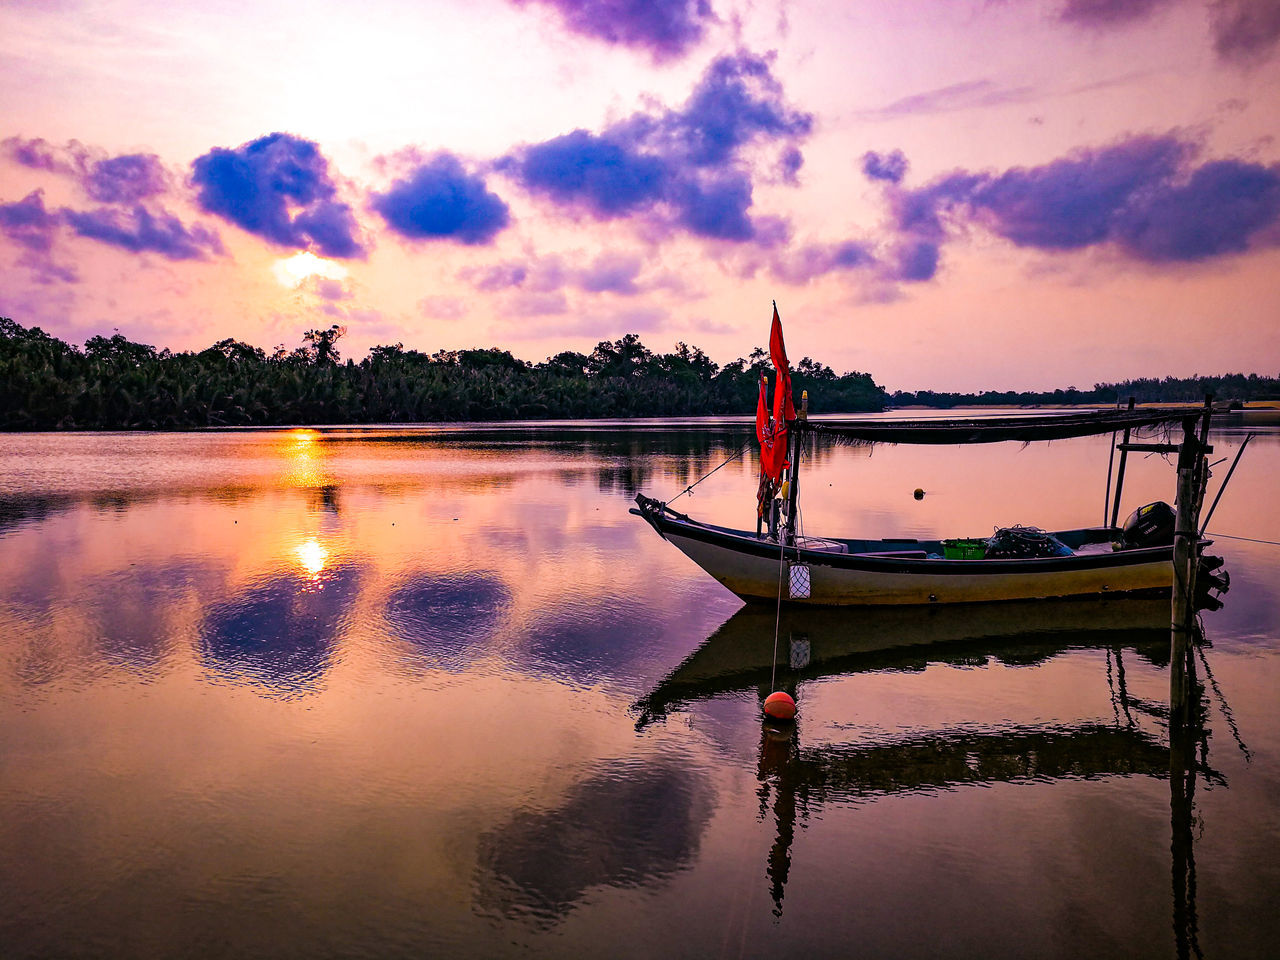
794, 491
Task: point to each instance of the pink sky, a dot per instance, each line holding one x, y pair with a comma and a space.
951, 195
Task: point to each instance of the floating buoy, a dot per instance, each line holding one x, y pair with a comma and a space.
780, 706
919, 494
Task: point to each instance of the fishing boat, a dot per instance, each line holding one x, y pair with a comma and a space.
776, 563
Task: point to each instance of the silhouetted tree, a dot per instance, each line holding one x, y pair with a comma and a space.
320, 344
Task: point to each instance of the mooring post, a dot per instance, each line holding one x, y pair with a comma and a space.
1186, 525
1202, 486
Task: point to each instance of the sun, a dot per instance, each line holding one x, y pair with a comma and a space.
292, 271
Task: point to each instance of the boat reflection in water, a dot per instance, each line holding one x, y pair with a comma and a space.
816, 642
797, 779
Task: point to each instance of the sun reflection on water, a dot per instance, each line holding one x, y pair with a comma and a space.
305, 460
311, 555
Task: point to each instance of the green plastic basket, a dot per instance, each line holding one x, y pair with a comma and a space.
964, 549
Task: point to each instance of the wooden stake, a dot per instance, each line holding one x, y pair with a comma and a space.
1186, 525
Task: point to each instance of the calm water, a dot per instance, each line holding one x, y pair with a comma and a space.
384, 693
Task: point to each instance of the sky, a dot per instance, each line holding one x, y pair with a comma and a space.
947, 194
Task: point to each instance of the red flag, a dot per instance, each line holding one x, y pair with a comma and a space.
772, 433
778, 353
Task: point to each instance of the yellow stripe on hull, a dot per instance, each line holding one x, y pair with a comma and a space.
756, 577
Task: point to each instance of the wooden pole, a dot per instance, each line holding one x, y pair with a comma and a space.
1124, 456
1202, 485
1186, 525
794, 492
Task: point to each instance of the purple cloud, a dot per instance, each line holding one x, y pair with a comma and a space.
608, 177
1141, 194
31, 225
819, 259
39, 154
329, 289
440, 200
967, 95
1073, 202
1108, 12
716, 207
891, 167
919, 212
123, 179
28, 223
664, 28
737, 100
789, 164
1245, 31
1217, 211
498, 276
612, 273
683, 166
141, 231
531, 304
331, 226
914, 261
259, 185
126, 179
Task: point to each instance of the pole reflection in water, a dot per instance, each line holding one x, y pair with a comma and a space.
1182, 788
1188, 761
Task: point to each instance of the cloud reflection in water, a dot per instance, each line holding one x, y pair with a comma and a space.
280, 635
629, 825
448, 620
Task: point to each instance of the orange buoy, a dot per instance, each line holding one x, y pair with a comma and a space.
780, 706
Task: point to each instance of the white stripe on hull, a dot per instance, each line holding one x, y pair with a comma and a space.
756, 577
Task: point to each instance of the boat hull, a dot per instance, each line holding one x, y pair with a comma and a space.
755, 569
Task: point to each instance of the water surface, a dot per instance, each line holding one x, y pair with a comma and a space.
395, 692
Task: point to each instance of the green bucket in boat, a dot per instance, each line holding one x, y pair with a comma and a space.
964, 549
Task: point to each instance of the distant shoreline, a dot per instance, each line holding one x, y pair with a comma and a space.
1246, 405
1252, 413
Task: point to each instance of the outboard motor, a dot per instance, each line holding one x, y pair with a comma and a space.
1211, 583
1150, 526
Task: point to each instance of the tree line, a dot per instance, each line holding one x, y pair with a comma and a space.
1230, 386
115, 383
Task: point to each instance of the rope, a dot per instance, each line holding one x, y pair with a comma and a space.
1227, 536
777, 621
741, 451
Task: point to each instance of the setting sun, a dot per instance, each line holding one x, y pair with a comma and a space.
294, 271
